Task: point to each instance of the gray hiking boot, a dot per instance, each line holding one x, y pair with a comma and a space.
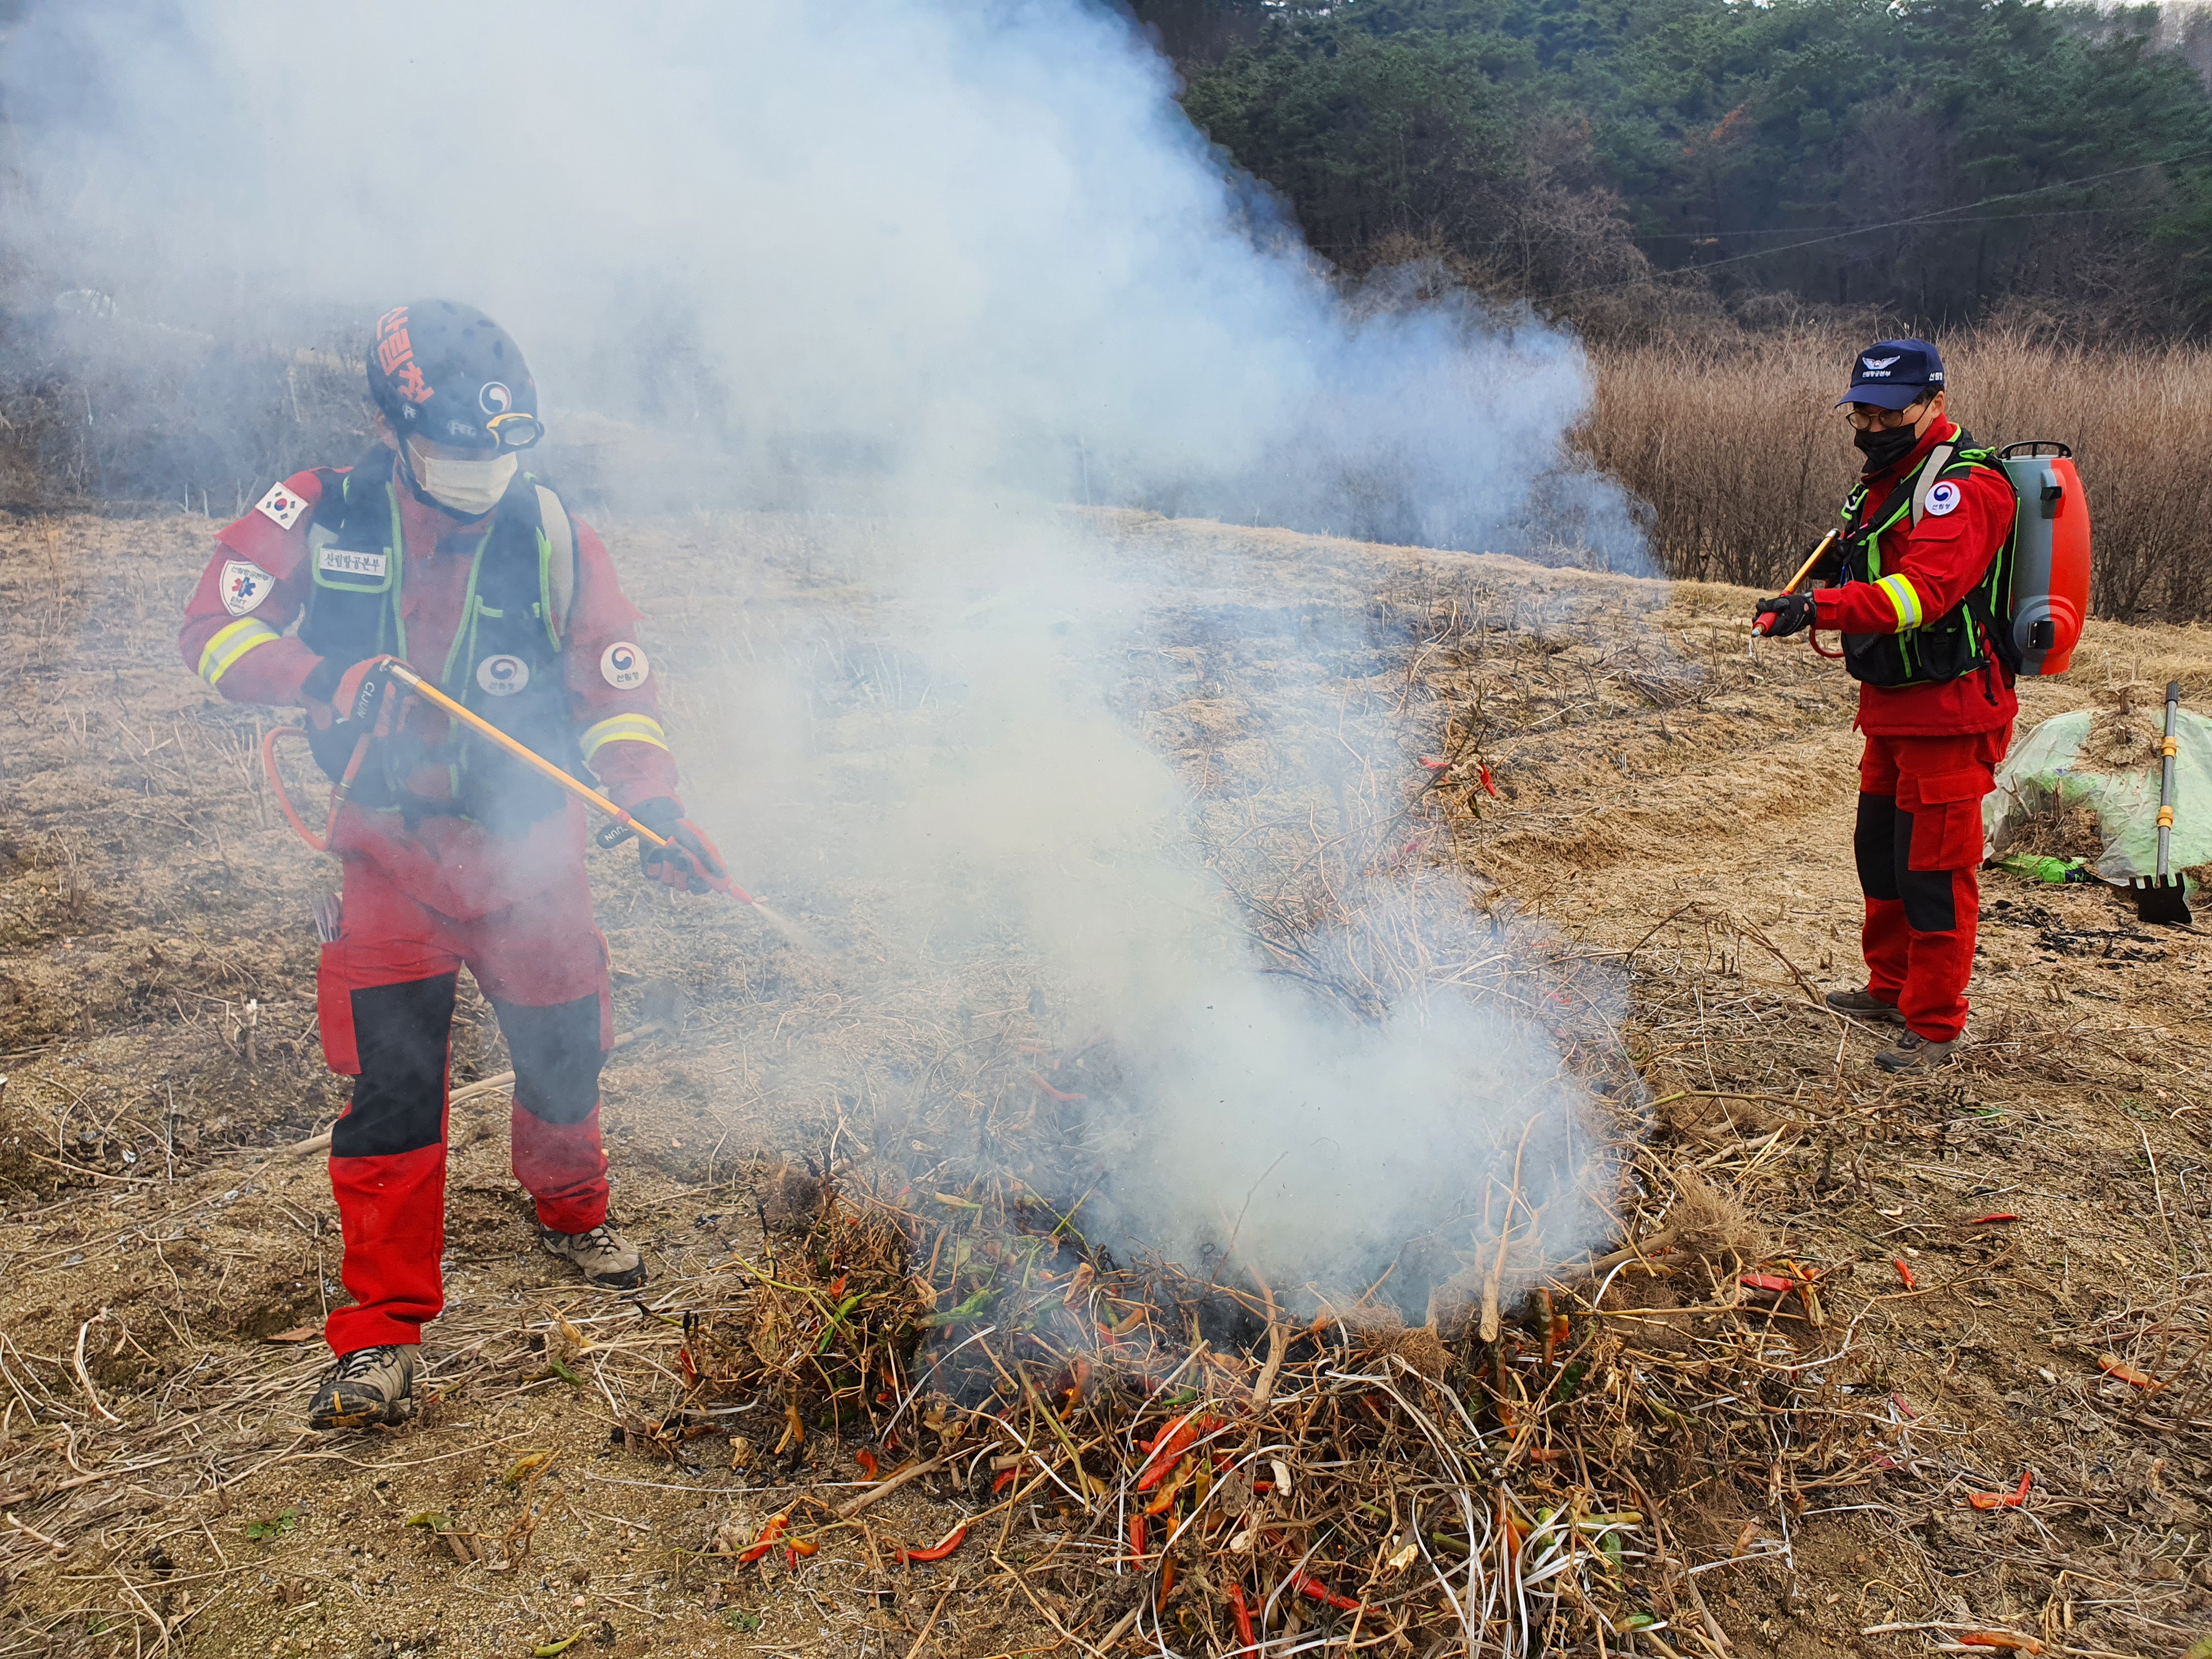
1864, 1005
600, 1255
365, 1387
1915, 1053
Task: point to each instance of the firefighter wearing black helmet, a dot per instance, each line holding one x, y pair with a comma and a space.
436, 547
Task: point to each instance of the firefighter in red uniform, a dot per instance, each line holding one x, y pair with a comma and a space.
435, 549
1915, 591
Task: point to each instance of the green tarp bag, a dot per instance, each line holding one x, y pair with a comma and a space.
2087, 783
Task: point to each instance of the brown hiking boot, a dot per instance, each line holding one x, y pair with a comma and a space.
601, 1254
1864, 1005
1915, 1053
367, 1387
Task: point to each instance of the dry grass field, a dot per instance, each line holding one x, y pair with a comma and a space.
1732, 441
1666, 863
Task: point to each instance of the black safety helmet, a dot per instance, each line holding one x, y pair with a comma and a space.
447, 371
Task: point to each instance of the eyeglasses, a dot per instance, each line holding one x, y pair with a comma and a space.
1868, 417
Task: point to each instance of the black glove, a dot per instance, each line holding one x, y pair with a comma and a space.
1785, 614
664, 817
343, 686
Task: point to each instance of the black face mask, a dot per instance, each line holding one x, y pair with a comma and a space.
1885, 449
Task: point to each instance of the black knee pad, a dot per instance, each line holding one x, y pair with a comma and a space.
1873, 846
402, 1033
1931, 905
557, 1057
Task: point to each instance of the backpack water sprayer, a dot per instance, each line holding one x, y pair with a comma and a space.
2050, 555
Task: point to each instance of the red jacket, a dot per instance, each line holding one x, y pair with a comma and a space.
235, 638
1937, 561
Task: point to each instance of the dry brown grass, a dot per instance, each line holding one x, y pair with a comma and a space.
1731, 442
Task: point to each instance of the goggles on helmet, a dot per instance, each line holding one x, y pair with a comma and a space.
514, 429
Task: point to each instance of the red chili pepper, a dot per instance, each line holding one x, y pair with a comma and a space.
1137, 1534
1999, 1639
1774, 1284
766, 1541
1243, 1617
1167, 1582
1057, 1094
1308, 1586
1995, 1500
1166, 1498
1000, 1481
1486, 783
1905, 1273
953, 1539
837, 1287
1170, 1445
688, 1365
2112, 1365
866, 1460
1996, 1215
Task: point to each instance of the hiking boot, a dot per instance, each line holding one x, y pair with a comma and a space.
1915, 1053
367, 1386
1864, 1004
600, 1254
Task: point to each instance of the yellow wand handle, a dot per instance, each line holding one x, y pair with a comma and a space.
1759, 627
484, 728
1806, 568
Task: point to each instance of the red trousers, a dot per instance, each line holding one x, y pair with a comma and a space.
384, 996
1918, 845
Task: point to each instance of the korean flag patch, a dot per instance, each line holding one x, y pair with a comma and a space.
1943, 498
280, 506
623, 666
244, 586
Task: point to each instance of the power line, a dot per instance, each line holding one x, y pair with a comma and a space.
1894, 224
1791, 230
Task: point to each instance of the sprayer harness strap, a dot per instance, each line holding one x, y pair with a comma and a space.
561, 566
1930, 469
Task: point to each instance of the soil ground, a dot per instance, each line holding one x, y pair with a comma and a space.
1663, 802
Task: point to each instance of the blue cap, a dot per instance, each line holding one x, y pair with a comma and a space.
1891, 374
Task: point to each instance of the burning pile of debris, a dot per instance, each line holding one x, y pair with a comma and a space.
1222, 1471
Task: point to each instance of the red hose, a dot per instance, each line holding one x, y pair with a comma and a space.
276, 785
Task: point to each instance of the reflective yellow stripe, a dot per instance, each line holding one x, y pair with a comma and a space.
1903, 600
623, 728
231, 643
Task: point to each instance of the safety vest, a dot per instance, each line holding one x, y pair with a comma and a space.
506, 661
1929, 651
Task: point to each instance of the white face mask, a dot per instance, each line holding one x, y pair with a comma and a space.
472, 489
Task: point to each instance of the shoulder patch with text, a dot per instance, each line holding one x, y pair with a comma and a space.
345, 561
1943, 498
245, 585
623, 666
280, 506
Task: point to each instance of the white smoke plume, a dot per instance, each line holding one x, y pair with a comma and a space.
978, 253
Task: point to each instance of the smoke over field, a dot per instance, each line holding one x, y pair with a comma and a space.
977, 257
